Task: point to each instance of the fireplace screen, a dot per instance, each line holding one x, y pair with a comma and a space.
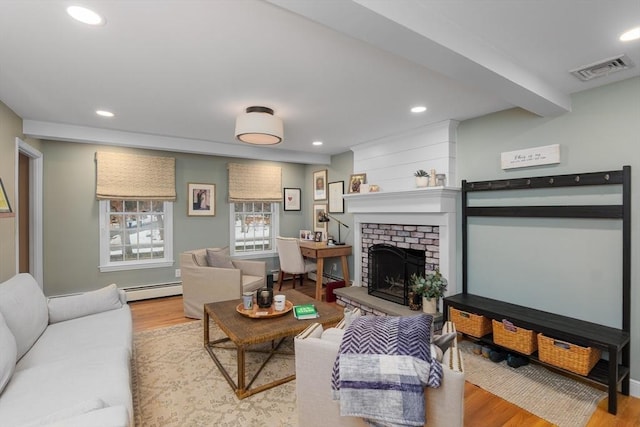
389, 270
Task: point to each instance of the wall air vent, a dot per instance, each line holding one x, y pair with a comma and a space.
602, 68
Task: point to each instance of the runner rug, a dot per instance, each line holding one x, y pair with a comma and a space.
560, 400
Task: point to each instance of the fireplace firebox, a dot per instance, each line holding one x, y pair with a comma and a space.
389, 270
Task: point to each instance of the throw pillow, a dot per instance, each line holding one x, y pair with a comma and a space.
219, 258
74, 306
436, 353
444, 341
24, 308
8, 353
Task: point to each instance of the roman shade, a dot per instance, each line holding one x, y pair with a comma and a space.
254, 183
133, 177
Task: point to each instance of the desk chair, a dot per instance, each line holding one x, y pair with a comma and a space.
291, 261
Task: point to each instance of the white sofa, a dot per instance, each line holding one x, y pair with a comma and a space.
316, 350
64, 361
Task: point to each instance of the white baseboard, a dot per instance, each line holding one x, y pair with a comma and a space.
153, 291
634, 388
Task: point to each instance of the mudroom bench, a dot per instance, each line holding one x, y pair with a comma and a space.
578, 332
531, 228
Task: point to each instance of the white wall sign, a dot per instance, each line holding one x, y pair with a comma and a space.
545, 155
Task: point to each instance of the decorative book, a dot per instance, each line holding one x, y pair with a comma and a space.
305, 311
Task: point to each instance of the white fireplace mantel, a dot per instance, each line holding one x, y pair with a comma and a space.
419, 200
431, 206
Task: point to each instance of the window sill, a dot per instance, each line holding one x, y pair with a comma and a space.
135, 266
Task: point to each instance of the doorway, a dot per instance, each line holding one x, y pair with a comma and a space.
29, 171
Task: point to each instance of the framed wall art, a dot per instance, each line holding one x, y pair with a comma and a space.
355, 181
291, 200
202, 199
320, 185
336, 202
5, 207
317, 225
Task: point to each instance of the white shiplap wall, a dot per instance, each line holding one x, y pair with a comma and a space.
390, 162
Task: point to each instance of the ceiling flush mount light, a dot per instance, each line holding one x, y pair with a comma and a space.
104, 113
317, 143
259, 126
85, 15
632, 34
419, 109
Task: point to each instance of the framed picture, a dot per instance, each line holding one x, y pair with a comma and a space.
320, 185
336, 202
5, 207
355, 181
317, 236
317, 225
202, 199
306, 234
292, 199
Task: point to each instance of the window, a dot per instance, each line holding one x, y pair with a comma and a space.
135, 234
254, 227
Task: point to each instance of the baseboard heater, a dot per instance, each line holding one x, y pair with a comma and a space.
137, 293
326, 278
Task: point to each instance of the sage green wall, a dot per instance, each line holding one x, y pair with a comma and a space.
602, 132
340, 169
71, 232
10, 129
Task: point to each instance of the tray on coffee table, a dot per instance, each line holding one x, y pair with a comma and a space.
264, 313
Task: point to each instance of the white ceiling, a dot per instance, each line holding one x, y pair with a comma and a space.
177, 72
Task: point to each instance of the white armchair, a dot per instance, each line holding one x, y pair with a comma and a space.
316, 350
202, 284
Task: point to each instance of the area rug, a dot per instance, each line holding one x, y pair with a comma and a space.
175, 383
560, 400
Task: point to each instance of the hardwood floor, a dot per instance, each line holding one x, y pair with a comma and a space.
482, 409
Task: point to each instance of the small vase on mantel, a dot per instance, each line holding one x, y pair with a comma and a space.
429, 305
422, 178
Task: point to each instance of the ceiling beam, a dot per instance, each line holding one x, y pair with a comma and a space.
89, 135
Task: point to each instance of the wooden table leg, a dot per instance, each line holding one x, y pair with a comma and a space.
319, 271
345, 270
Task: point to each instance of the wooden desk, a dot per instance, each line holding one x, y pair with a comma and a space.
319, 251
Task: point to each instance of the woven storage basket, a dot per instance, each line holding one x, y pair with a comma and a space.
469, 323
566, 355
521, 340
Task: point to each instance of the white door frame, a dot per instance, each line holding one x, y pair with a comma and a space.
35, 210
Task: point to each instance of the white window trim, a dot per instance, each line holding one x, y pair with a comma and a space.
275, 228
106, 265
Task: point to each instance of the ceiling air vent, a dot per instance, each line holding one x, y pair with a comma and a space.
602, 68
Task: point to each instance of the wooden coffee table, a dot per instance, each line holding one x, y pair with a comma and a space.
245, 332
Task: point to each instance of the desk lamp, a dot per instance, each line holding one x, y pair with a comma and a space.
324, 217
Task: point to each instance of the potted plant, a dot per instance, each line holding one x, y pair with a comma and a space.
422, 178
430, 287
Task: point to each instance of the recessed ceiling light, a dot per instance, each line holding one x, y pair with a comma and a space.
104, 113
85, 15
632, 34
419, 109
317, 143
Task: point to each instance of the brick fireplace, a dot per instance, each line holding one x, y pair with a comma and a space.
423, 219
392, 252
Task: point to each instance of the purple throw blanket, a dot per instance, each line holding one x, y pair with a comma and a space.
382, 367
